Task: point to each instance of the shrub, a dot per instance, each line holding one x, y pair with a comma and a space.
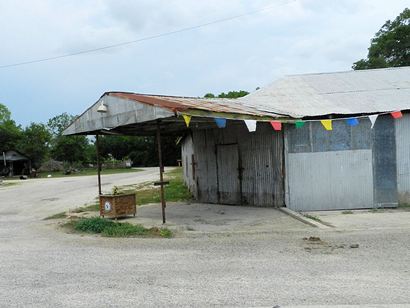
109, 228
124, 230
93, 225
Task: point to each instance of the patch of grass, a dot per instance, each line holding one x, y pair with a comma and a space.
404, 205
347, 212
87, 171
315, 218
8, 184
56, 216
109, 228
93, 225
175, 191
87, 208
164, 232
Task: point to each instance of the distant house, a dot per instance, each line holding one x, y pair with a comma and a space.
14, 163
307, 142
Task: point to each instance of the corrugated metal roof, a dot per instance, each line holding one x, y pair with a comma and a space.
298, 96
187, 104
352, 92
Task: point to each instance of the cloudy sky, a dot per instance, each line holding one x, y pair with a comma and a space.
299, 36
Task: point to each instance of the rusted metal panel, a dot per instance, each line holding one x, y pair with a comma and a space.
403, 158
186, 104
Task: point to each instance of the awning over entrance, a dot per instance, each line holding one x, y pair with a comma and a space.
121, 113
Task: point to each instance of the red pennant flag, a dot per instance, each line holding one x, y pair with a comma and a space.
396, 114
276, 125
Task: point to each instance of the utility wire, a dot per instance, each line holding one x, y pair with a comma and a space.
147, 38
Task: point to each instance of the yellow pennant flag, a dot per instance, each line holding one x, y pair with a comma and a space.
327, 124
187, 119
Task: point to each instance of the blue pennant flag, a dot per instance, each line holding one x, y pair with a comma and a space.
220, 122
352, 122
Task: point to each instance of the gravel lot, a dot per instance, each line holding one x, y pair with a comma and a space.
42, 267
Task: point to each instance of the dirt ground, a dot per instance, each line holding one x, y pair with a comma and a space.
223, 256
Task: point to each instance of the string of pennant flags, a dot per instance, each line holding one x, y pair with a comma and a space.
277, 125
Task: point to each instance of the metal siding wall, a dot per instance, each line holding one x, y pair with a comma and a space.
262, 162
229, 191
204, 148
403, 158
261, 157
187, 149
384, 162
329, 169
330, 180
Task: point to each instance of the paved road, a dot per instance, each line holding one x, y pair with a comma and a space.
42, 197
42, 267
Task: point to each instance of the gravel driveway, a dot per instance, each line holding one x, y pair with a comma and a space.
42, 267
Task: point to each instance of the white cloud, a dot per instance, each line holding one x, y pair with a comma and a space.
297, 37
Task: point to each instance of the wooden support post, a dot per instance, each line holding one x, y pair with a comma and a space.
97, 147
161, 171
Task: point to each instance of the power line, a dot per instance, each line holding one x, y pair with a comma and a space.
147, 38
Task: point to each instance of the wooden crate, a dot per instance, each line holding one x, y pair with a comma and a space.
114, 206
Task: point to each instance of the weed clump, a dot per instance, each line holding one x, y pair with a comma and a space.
110, 228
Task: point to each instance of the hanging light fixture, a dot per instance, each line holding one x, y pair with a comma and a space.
102, 108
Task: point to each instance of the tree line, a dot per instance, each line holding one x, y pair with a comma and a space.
42, 142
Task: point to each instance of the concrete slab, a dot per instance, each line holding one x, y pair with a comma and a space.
366, 219
216, 218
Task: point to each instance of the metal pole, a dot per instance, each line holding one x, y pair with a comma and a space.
161, 170
97, 148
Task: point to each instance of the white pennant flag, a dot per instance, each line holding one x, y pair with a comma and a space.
373, 119
251, 124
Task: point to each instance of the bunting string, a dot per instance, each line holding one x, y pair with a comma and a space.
326, 123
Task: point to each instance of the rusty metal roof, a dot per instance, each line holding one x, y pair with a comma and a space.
180, 104
289, 98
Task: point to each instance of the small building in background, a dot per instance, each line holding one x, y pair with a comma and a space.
14, 163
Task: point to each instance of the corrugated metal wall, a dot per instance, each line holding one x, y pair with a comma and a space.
403, 158
330, 180
346, 168
259, 157
384, 162
188, 164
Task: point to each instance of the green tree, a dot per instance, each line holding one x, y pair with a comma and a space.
390, 47
230, 94
209, 95
57, 124
10, 133
5, 114
141, 150
35, 142
72, 149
